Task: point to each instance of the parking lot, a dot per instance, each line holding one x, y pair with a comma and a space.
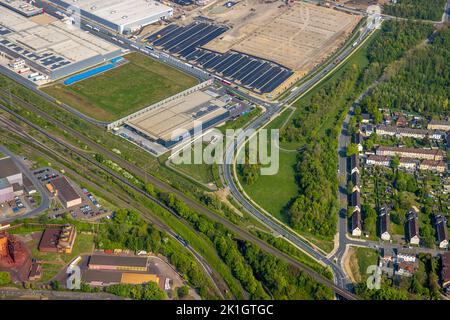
18, 206
89, 209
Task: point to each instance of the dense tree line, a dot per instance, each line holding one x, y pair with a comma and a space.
245, 268
225, 246
417, 9
283, 280
149, 291
314, 210
420, 83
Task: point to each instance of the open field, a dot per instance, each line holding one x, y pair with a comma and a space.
298, 36
123, 90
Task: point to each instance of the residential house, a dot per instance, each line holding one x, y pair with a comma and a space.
356, 224
401, 121
406, 264
383, 224
378, 160
439, 125
369, 129
354, 163
356, 200
365, 118
441, 231
408, 164
430, 154
356, 182
432, 165
445, 275
358, 140
412, 223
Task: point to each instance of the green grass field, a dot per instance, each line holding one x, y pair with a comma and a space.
276, 199
123, 90
365, 257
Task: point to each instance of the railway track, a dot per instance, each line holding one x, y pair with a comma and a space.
124, 201
241, 233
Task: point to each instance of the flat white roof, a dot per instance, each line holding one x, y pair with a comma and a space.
26, 37
121, 12
178, 114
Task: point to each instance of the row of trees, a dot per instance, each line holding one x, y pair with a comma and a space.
149, 291
417, 9
283, 281
241, 264
128, 230
314, 210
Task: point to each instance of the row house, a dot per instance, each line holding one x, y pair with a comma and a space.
375, 160
409, 133
430, 154
356, 224
354, 163
357, 139
431, 165
412, 224
356, 182
439, 125
441, 231
383, 224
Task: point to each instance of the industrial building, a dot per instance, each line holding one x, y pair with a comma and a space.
55, 49
184, 113
11, 180
65, 192
107, 278
58, 240
118, 263
22, 7
122, 16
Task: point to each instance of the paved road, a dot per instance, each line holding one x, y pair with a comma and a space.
45, 200
13, 293
274, 110
241, 233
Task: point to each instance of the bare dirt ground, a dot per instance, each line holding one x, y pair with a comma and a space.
361, 4
298, 36
43, 19
351, 265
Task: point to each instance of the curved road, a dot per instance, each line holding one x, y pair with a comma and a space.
273, 111
45, 200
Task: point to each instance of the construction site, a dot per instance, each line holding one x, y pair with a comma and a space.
289, 38
296, 35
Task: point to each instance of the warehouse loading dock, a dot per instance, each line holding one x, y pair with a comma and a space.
122, 16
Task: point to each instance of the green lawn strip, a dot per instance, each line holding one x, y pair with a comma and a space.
123, 90
366, 257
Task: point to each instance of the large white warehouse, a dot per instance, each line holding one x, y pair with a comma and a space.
123, 16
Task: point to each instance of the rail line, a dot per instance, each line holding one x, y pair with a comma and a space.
245, 235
